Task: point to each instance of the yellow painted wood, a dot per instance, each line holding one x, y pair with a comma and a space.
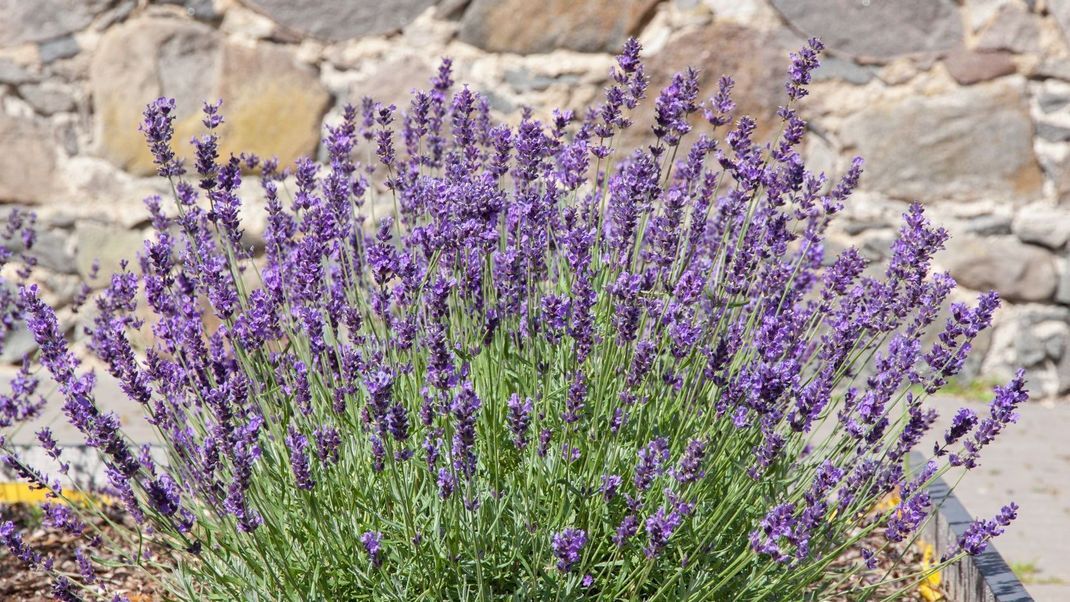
15, 493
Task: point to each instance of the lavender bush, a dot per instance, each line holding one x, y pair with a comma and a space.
543, 368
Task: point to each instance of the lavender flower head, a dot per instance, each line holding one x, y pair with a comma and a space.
567, 546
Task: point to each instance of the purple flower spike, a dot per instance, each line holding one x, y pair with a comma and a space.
298, 445
652, 460
158, 128
11, 538
372, 542
567, 546
519, 420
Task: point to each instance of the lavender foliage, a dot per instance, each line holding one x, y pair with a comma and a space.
627, 373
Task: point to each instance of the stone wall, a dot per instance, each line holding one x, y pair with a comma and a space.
962, 105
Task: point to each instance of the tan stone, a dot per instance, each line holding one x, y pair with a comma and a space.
27, 160
271, 104
964, 144
756, 60
527, 27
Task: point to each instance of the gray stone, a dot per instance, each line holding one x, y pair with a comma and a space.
393, 82
1052, 132
836, 69
857, 226
120, 12
1051, 101
970, 67
46, 100
13, 73
528, 27
39, 20
18, 343
962, 145
60, 48
1043, 225
1062, 291
523, 80
53, 251
1013, 29
1052, 68
1017, 271
1057, 169
337, 20
27, 160
1060, 9
451, 9
51, 248
106, 244
498, 102
877, 244
1062, 375
877, 30
1040, 342
202, 10
990, 224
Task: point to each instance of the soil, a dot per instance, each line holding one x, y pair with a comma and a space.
18, 583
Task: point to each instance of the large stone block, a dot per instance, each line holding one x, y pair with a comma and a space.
106, 244
27, 160
337, 20
528, 27
1043, 225
971, 67
272, 104
756, 60
966, 144
878, 30
1017, 271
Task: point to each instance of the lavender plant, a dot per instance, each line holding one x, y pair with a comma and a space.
502, 362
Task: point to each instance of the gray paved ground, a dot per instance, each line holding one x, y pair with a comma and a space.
1030, 465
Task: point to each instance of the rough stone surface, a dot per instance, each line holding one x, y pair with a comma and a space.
834, 69
336, 20
53, 249
970, 67
272, 104
60, 48
27, 160
1060, 9
393, 82
754, 59
1019, 272
1062, 291
39, 20
46, 100
964, 145
528, 27
1013, 28
105, 243
13, 73
1043, 225
275, 106
877, 30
